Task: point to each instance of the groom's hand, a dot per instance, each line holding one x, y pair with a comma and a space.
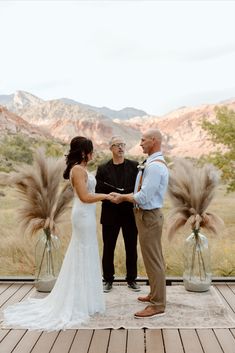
115, 197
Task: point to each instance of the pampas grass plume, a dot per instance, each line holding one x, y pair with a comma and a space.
43, 200
191, 190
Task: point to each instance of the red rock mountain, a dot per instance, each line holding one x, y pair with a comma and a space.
183, 135
65, 121
13, 124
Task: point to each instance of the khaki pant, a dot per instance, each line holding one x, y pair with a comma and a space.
149, 224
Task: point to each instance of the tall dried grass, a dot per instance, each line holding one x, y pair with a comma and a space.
42, 200
191, 190
17, 256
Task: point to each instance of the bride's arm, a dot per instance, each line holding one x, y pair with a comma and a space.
79, 179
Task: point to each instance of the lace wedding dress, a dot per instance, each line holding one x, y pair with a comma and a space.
78, 292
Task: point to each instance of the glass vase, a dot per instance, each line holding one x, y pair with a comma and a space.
197, 273
47, 261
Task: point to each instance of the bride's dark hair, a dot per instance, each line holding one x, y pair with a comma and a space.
80, 147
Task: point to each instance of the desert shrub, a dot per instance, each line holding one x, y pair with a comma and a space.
16, 148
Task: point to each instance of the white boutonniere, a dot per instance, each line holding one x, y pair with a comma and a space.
141, 166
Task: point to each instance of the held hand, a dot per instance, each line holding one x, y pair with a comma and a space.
115, 197
109, 197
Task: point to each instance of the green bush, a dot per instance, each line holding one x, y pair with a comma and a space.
16, 149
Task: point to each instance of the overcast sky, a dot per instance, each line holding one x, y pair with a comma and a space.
152, 55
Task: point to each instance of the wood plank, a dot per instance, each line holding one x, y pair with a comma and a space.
27, 342
45, 342
232, 287
172, 341
3, 333
99, 342
190, 341
20, 294
154, 341
226, 340
81, 341
228, 295
11, 340
135, 341
4, 286
117, 341
9, 292
209, 341
63, 341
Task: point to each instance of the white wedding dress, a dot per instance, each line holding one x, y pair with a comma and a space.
78, 291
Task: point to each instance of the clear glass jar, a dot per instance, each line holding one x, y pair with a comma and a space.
47, 261
197, 272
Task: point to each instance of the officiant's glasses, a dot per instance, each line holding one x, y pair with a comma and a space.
122, 145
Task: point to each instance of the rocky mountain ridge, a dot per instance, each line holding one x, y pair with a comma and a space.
11, 123
182, 132
21, 99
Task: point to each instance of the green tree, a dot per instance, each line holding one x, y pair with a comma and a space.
223, 132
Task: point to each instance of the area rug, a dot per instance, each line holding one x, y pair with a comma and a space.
184, 310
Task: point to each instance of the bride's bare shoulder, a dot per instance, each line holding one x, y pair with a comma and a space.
78, 171
78, 168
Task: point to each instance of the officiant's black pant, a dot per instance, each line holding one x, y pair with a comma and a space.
110, 235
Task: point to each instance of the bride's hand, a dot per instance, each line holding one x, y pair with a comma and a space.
115, 197
108, 197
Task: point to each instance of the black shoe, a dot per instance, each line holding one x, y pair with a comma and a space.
107, 286
134, 286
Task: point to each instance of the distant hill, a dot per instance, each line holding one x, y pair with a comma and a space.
18, 100
183, 134
125, 113
65, 118
22, 99
11, 123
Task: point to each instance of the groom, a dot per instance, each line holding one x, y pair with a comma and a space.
150, 187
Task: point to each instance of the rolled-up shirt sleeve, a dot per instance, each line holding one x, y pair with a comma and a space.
150, 185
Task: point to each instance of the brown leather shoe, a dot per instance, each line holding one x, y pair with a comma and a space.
144, 299
149, 312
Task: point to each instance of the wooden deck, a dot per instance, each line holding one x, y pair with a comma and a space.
116, 341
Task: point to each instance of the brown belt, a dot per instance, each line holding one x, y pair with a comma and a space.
141, 209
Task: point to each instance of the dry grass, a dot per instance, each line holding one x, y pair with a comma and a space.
191, 190
17, 251
42, 199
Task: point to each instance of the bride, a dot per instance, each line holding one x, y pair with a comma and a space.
78, 292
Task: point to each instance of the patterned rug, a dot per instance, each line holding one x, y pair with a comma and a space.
184, 310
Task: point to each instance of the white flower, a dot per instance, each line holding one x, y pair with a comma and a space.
141, 166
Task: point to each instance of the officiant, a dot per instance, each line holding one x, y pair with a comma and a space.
118, 175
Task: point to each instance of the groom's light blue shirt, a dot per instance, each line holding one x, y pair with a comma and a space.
154, 183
